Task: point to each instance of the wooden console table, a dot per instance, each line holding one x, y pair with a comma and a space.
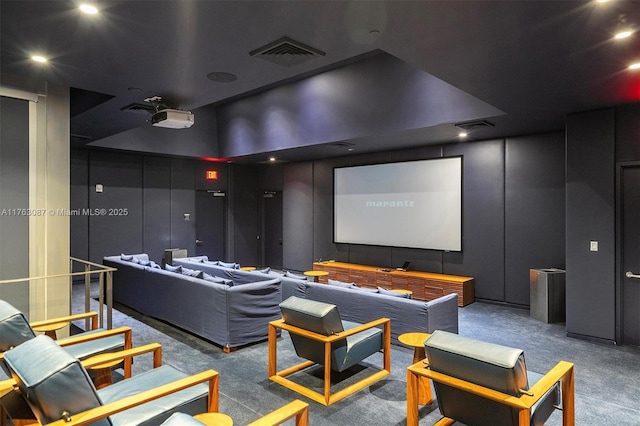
424, 285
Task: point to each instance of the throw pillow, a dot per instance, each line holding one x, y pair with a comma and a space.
341, 284
126, 257
296, 276
393, 293
264, 271
143, 262
191, 272
215, 279
231, 265
172, 268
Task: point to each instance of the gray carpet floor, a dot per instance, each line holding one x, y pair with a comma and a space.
607, 377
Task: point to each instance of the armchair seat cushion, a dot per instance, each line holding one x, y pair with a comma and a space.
191, 401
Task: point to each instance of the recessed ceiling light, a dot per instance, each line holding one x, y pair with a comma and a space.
623, 34
272, 158
463, 134
635, 66
89, 9
38, 58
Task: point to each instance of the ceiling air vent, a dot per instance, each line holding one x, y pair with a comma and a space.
474, 125
286, 52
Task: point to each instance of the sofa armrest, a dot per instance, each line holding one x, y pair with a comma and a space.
442, 314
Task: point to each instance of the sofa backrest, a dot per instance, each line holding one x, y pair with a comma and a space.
236, 275
52, 381
486, 364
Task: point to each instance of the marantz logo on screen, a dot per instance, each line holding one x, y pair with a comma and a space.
400, 203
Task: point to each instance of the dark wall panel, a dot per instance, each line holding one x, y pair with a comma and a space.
79, 200
590, 216
157, 206
628, 133
183, 202
14, 196
482, 255
297, 216
245, 220
534, 213
111, 230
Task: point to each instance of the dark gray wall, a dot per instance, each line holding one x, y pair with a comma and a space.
14, 195
509, 187
155, 191
590, 210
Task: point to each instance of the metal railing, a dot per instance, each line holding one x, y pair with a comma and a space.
105, 283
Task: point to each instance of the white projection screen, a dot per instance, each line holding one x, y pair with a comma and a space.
415, 204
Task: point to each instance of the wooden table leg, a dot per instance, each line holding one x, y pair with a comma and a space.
412, 399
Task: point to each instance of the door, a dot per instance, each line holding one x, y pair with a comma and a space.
630, 289
210, 225
272, 229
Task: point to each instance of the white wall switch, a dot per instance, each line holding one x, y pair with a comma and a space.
593, 246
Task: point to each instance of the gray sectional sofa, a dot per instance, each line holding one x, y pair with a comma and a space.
228, 315
354, 304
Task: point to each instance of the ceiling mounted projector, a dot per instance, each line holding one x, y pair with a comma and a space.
173, 119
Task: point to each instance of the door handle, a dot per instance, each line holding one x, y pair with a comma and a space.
200, 242
630, 274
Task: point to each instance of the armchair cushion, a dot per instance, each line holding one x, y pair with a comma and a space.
58, 385
14, 327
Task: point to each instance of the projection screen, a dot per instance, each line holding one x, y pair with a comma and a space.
415, 204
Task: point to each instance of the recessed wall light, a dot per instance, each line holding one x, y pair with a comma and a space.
38, 58
635, 66
623, 34
89, 9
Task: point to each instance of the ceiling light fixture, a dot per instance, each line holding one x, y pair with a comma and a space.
463, 134
89, 9
40, 59
623, 34
272, 159
635, 66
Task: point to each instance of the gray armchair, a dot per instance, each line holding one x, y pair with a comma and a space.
321, 337
480, 383
15, 329
56, 388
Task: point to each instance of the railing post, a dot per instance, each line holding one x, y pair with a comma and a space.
109, 297
87, 293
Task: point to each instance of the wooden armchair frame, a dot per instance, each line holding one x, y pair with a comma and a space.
327, 398
295, 409
562, 371
95, 414
126, 331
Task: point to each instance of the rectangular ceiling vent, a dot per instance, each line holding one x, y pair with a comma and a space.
474, 125
286, 52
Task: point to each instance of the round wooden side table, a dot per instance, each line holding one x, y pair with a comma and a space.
315, 274
103, 371
50, 329
416, 341
248, 268
214, 419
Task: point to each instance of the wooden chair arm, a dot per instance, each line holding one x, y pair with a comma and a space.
522, 402
155, 348
98, 335
95, 414
68, 318
297, 409
321, 337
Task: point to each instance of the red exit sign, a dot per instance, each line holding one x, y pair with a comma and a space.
211, 175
